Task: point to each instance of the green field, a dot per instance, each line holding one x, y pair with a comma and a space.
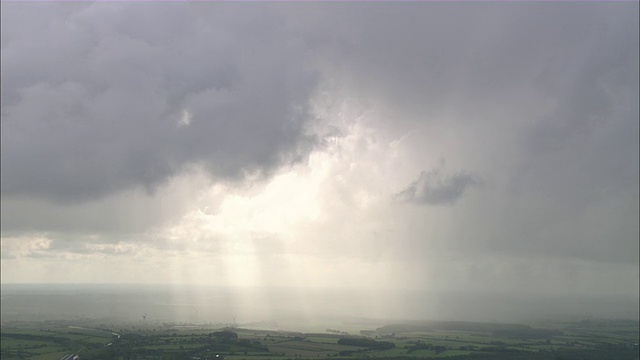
416, 340
49, 341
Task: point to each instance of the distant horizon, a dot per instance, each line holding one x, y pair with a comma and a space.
268, 304
321, 288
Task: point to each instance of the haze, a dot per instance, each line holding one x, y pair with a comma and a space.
487, 150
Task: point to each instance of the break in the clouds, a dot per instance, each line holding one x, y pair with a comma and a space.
436, 187
274, 140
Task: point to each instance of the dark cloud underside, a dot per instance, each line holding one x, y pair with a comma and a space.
93, 97
436, 187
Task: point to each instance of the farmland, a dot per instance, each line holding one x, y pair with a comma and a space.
587, 339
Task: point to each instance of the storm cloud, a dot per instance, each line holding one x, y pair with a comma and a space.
95, 96
289, 144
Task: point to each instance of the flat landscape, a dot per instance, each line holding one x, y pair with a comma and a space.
585, 339
131, 322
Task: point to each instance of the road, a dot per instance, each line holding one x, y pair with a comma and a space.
69, 357
74, 356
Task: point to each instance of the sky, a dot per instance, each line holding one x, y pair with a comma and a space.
455, 146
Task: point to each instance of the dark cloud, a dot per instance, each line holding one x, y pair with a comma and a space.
539, 98
478, 56
437, 187
93, 96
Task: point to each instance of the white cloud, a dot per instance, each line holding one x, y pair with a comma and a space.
185, 118
24, 246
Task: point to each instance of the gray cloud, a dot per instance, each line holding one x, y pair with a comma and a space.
437, 187
541, 98
93, 96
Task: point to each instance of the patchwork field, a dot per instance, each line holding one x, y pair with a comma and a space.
414, 340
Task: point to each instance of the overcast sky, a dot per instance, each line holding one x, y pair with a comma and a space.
436, 146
